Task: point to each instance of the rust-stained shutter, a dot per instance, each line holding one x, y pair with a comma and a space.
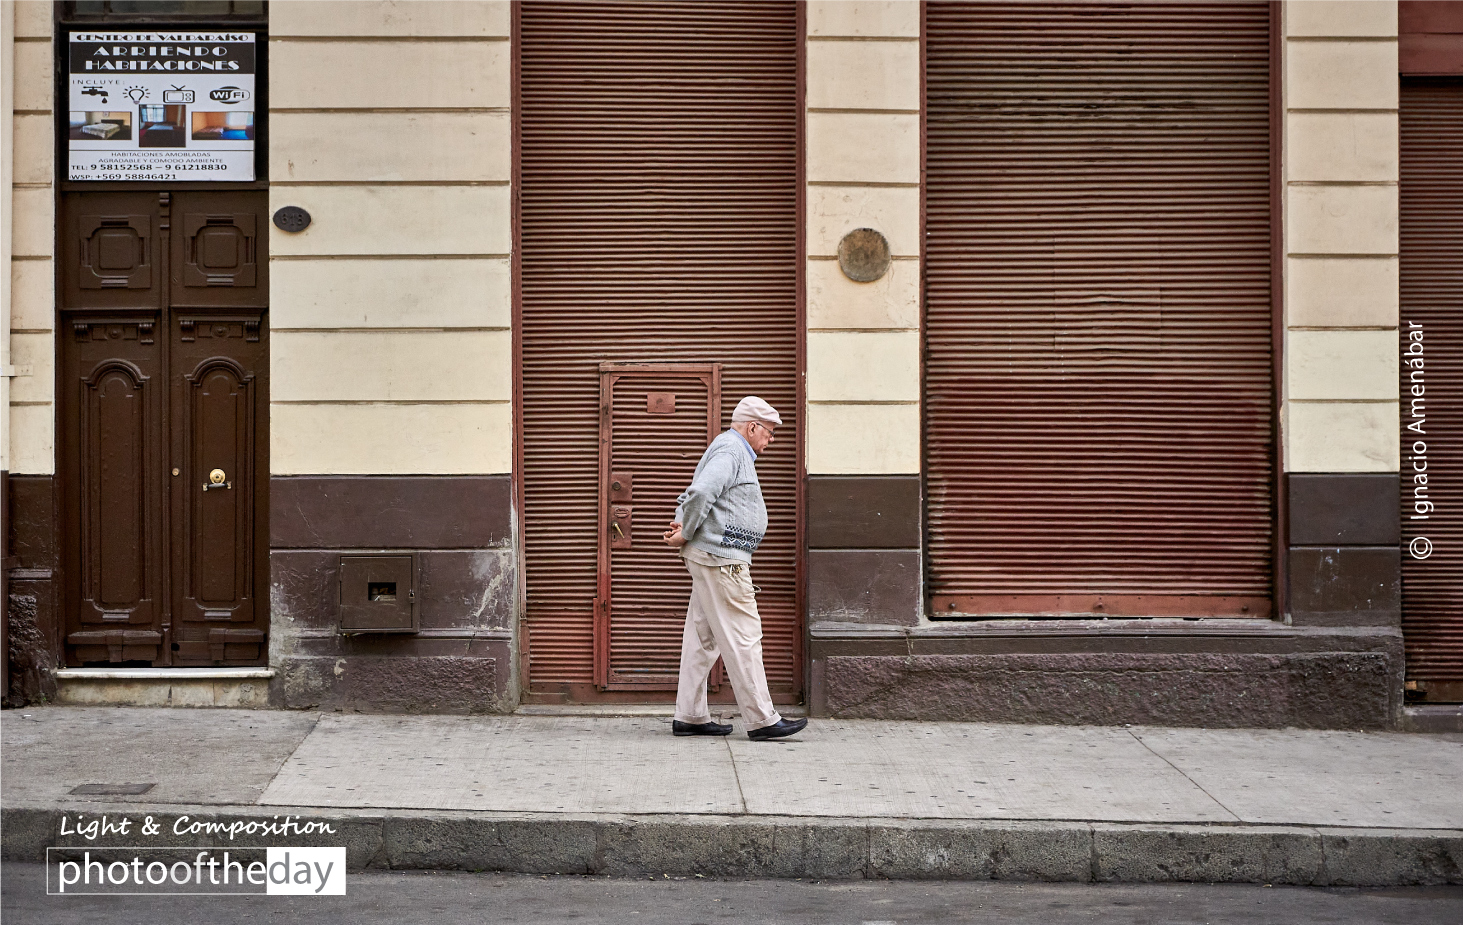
1099, 386
659, 225
1432, 306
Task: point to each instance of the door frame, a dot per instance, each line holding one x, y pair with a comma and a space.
62, 22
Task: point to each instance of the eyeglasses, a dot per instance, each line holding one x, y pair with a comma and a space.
769, 430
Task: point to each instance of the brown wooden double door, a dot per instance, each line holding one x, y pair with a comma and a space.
163, 433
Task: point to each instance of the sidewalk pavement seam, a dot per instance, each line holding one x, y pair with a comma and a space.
732, 759
259, 800
1186, 777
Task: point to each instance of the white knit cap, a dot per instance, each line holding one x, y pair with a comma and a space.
753, 408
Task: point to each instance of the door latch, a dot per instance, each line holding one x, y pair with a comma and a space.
621, 529
216, 479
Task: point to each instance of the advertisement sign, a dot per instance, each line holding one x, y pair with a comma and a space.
163, 105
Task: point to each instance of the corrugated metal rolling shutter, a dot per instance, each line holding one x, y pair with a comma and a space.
659, 211
1432, 299
1099, 385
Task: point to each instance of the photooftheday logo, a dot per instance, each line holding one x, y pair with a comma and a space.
131, 871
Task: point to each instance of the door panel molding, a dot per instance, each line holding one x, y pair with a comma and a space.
116, 252
116, 456
218, 254
219, 249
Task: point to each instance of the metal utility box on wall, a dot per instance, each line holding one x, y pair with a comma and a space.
378, 592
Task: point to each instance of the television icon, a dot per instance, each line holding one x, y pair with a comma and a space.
177, 95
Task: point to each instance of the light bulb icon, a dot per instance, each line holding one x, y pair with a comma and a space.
136, 94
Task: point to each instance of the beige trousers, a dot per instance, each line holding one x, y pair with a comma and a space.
722, 620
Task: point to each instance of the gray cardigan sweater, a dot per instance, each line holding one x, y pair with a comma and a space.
722, 513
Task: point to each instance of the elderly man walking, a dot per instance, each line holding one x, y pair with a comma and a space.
719, 523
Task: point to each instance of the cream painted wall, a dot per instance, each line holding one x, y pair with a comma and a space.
1341, 236
863, 171
7, 175
29, 236
391, 336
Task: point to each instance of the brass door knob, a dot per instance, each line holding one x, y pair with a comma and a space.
216, 480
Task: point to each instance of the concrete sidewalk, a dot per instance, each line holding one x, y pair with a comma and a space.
619, 794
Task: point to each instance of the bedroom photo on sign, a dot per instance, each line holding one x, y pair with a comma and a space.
162, 127
223, 126
100, 126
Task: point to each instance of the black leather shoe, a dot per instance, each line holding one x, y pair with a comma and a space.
699, 729
783, 727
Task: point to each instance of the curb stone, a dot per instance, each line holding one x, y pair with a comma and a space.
822, 848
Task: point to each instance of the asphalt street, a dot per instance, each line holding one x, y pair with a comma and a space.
515, 899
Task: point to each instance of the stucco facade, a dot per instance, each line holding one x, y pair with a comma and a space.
392, 405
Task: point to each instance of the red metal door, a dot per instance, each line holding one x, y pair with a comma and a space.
656, 421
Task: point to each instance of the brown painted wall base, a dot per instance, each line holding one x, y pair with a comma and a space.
863, 557
864, 586
1346, 585
1345, 556
460, 529
400, 682
5, 566
1172, 673
32, 634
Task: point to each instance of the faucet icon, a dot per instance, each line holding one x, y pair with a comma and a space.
96, 91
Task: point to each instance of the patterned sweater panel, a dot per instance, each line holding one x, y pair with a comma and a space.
722, 512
